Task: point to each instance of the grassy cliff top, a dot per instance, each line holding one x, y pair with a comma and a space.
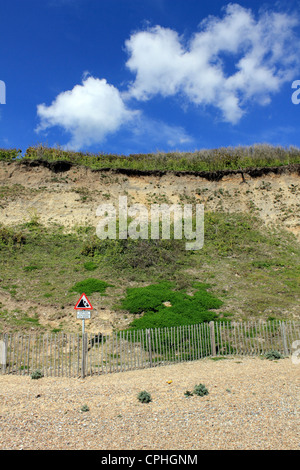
223, 158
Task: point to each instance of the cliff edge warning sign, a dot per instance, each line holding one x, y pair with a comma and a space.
82, 305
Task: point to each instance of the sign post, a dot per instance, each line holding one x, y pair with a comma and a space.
83, 308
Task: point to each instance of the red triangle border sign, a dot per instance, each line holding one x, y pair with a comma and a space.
85, 302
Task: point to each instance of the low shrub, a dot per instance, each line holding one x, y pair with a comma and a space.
144, 397
273, 355
88, 286
8, 155
84, 408
200, 390
37, 374
163, 306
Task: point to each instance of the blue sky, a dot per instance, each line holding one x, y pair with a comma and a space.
136, 76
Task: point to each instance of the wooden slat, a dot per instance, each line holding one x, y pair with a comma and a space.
57, 355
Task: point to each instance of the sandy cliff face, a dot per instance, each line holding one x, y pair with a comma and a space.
68, 195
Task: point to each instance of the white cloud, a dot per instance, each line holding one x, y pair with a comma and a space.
93, 110
89, 112
156, 57
263, 51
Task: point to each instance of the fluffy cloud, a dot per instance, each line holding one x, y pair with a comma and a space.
93, 110
262, 50
228, 63
89, 112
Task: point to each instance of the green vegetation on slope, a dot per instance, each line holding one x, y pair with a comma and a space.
162, 306
9, 155
90, 285
253, 270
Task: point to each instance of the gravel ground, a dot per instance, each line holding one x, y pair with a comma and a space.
252, 403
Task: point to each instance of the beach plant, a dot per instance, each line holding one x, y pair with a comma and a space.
144, 397
273, 355
84, 408
200, 390
37, 374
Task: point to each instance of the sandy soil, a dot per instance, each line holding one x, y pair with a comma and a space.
71, 198
252, 403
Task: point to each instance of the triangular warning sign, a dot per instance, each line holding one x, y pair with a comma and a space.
83, 303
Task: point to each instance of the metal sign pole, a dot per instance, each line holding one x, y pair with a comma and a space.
83, 352
83, 305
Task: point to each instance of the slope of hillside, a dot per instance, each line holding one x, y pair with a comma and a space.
250, 255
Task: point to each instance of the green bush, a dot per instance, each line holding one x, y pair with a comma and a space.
200, 390
150, 298
171, 313
37, 374
84, 408
163, 306
144, 397
8, 155
88, 286
273, 355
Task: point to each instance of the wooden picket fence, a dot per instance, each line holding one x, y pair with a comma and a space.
77, 355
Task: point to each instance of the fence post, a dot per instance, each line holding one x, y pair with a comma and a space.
283, 333
212, 338
149, 346
3, 349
